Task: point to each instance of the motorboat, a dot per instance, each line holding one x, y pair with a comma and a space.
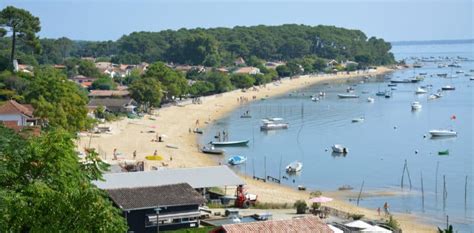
380, 93
339, 149
442, 75
347, 96
388, 94
315, 99
212, 150
236, 160
350, 90
435, 96
459, 71
448, 88
392, 85
415, 106
370, 99
417, 65
294, 166
246, 115
420, 90
417, 79
358, 119
443, 133
273, 124
400, 81
321, 94
231, 143
423, 73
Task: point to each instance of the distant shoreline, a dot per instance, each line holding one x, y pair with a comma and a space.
431, 42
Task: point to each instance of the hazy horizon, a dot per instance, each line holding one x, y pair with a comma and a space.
394, 21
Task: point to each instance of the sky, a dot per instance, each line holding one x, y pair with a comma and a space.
393, 20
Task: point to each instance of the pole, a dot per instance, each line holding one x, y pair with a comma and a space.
279, 168
265, 166
422, 193
360, 192
465, 193
408, 173
444, 192
403, 174
436, 179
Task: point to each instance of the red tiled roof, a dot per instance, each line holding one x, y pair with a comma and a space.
306, 224
13, 107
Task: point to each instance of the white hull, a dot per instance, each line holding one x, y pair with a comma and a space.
339, 149
294, 167
415, 106
347, 96
443, 133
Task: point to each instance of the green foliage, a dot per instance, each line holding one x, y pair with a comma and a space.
173, 82
393, 223
316, 193
200, 88
356, 216
57, 101
300, 206
147, 92
44, 188
447, 230
242, 80
88, 69
283, 71
270, 205
104, 83
23, 26
194, 230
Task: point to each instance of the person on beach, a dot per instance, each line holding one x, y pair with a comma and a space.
378, 211
386, 209
115, 153
134, 154
155, 153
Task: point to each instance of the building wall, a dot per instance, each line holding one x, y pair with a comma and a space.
14, 117
137, 219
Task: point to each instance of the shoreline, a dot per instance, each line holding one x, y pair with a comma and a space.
175, 121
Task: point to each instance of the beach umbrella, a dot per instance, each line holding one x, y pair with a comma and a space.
154, 157
320, 199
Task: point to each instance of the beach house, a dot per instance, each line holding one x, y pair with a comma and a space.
247, 70
167, 207
17, 116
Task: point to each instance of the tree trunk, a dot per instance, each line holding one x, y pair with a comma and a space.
12, 55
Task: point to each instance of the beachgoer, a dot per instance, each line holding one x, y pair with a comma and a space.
386, 208
115, 153
134, 154
155, 153
378, 211
171, 158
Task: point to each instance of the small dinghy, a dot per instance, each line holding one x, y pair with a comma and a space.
443, 133
443, 152
236, 160
420, 90
415, 106
358, 119
347, 96
231, 143
339, 149
370, 100
273, 124
294, 166
212, 150
448, 88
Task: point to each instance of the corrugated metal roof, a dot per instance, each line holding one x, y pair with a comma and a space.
152, 197
200, 177
301, 225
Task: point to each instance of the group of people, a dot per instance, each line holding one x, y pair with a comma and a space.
385, 208
222, 137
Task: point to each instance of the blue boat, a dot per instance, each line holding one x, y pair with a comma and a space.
236, 160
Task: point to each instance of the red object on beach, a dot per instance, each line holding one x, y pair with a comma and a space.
453, 117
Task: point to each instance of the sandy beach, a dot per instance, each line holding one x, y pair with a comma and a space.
173, 124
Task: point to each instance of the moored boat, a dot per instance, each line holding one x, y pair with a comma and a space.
416, 106
358, 119
294, 166
400, 81
443, 152
273, 124
443, 133
448, 88
212, 150
420, 90
347, 96
339, 149
236, 160
231, 143
370, 99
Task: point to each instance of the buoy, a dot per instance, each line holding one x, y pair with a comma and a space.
416, 151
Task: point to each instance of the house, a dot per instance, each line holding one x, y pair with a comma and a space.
239, 62
83, 81
22, 67
274, 65
114, 105
17, 116
349, 63
167, 207
109, 94
247, 70
308, 224
332, 63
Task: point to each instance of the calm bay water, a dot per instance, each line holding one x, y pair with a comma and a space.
379, 146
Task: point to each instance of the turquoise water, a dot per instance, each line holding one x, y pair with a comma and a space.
378, 147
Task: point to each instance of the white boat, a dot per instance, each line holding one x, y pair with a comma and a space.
339, 149
322, 94
231, 143
294, 166
443, 133
358, 119
315, 99
459, 71
420, 90
347, 96
370, 99
236, 160
273, 124
415, 106
448, 88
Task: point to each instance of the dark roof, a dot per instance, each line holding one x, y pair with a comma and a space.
157, 196
111, 102
305, 224
13, 107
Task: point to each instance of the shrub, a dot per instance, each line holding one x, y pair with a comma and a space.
300, 206
356, 216
393, 223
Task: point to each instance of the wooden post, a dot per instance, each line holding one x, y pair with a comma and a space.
445, 194
436, 180
403, 174
408, 173
360, 192
265, 166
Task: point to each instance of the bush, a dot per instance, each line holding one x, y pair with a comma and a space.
300, 206
269, 205
356, 216
393, 223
